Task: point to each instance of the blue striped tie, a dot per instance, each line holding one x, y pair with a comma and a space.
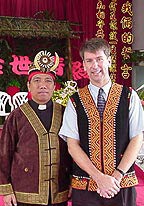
100, 103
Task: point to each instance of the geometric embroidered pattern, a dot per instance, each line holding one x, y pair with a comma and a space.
102, 147
109, 146
128, 180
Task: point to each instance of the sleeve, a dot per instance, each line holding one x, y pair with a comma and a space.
136, 115
69, 125
6, 155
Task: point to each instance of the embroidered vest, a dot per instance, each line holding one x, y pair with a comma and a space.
103, 143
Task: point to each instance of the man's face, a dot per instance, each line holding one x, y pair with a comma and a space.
96, 64
41, 87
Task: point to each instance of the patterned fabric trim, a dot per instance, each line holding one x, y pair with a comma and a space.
103, 148
44, 158
81, 183
54, 143
129, 180
6, 189
109, 147
94, 126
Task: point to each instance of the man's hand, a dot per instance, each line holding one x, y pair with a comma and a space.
108, 186
117, 175
10, 200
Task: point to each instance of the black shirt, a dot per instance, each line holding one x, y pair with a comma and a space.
44, 115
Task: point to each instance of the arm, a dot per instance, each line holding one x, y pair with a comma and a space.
136, 125
130, 154
106, 184
6, 153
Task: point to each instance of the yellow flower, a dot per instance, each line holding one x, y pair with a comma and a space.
62, 96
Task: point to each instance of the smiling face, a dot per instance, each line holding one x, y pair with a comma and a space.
97, 64
41, 87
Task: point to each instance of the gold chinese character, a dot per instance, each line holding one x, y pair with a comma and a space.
126, 51
100, 23
127, 8
100, 33
113, 35
113, 25
127, 38
126, 69
126, 22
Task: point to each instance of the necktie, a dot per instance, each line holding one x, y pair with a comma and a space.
100, 103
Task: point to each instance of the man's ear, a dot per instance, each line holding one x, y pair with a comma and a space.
109, 61
54, 86
84, 66
28, 86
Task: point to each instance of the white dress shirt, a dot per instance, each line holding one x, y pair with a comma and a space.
136, 116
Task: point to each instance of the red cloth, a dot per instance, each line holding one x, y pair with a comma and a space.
69, 203
79, 11
39, 72
1, 201
0, 131
1, 197
140, 186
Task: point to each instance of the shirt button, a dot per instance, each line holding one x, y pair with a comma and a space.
26, 169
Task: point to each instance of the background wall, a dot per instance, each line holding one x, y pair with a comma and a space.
106, 19
138, 44
138, 24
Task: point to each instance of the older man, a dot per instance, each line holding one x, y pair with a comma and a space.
34, 162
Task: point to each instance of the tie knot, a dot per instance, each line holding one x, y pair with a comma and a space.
100, 91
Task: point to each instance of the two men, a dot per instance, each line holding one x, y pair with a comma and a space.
34, 162
105, 144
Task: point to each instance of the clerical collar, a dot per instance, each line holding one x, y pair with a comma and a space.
40, 107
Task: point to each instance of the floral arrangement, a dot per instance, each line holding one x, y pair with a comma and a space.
62, 95
136, 57
13, 87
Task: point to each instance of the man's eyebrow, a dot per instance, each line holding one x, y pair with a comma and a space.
48, 78
36, 77
88, 58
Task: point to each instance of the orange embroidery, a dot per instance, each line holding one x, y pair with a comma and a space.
102, 147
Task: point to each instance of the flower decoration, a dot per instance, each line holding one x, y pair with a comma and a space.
13, 87
62, 96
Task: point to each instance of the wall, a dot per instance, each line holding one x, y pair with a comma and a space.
138, 24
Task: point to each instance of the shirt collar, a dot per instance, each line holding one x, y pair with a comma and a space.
94, 89
35, 106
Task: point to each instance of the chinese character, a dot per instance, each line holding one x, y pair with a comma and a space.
126, 22
127, 38
127, 8
20, 65
60, 68
1, 66
78, 71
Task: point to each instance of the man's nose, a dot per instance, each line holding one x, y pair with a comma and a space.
42, 84
95, 63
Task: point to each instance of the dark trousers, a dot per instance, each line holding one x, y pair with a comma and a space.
60, 204
126, 197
